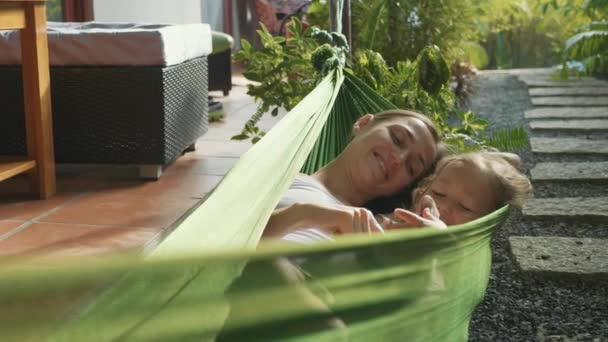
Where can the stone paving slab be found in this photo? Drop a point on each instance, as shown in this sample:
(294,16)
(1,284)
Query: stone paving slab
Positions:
(570,101)
(567,113)
(545,76)
(561,256)
(526,72)
(569,91)
(546,83)
(569,146)
(570,171)
(570,125)
(567,208)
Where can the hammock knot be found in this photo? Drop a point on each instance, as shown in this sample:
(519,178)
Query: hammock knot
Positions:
(331,53)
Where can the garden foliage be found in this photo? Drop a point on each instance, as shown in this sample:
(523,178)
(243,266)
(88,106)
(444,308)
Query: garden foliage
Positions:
(286,70)
(590,43)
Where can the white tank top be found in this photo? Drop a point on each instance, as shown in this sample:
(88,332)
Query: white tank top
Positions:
(306,189)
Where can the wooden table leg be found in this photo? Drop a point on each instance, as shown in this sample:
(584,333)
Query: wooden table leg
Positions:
(37,94)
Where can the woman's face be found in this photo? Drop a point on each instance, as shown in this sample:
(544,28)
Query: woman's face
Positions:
(387,156)
(461,191)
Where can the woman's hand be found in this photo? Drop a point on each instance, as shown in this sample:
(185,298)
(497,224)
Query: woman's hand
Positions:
(363,221)
(344,220)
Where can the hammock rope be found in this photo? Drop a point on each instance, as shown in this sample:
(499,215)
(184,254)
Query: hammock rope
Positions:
(418,285)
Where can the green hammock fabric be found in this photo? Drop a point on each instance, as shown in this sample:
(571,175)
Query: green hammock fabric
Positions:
(414,285)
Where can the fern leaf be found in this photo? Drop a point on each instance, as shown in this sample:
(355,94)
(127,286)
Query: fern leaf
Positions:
(509,140)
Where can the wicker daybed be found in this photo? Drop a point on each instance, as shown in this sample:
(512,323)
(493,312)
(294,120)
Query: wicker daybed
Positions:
(119,95)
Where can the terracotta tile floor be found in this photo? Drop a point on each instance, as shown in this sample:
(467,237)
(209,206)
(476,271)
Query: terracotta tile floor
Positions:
(103,208)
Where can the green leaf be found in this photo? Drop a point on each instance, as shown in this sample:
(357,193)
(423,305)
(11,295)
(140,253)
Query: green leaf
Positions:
(509,140)
(374,24)
(433,70)
(246,46)
(241,136)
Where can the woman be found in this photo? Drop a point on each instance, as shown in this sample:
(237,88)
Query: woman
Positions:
(389,151)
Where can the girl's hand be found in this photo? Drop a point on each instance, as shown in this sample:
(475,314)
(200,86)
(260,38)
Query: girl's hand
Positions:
(427,219)
(402,218)
(427,202)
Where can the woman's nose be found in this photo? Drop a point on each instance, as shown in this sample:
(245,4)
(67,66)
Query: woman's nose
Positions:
(395,161)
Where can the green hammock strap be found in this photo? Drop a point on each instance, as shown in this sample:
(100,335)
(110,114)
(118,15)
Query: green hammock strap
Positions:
(421,285)
(233,216)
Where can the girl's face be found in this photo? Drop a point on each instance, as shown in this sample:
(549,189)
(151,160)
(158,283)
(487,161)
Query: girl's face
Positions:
(461,191)
(387,156)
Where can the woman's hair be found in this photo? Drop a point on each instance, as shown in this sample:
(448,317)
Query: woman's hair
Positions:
(509,185)
(400,113)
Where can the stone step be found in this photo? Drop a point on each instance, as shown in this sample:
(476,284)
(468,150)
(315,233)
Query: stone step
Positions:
(569,146)
(570,171)
(567,113)
(573,208)
(549,256)
(544,82)
(569,91)
(524,72)
(570,125)
(570,101)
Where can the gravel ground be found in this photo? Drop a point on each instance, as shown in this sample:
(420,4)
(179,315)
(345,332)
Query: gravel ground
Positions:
(522,308)
(596,188)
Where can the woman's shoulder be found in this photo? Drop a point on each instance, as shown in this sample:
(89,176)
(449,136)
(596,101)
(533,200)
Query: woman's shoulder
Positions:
(306,189)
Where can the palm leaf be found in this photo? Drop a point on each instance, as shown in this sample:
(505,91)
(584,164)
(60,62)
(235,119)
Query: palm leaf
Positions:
(595,5)
(594,26)
(586,44)
(373,24)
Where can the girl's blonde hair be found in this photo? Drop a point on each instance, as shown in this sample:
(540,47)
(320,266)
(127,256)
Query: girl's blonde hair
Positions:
(509,185)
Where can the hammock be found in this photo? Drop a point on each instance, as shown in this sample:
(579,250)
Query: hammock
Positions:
(414,285)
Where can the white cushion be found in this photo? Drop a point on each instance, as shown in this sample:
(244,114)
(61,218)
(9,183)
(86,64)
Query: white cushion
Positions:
(95,43)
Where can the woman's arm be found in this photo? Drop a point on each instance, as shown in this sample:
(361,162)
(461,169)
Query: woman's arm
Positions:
(333,220)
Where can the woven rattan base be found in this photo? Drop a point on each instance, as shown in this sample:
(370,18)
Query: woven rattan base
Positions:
(113,114)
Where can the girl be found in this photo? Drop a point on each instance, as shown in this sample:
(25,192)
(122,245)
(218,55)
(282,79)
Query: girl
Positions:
(463,188)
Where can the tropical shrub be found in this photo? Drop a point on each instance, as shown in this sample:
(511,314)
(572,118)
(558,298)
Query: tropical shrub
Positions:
(283,70)
(400,29)
(590,44)
(523,33)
